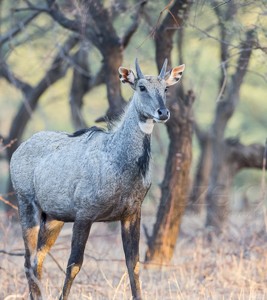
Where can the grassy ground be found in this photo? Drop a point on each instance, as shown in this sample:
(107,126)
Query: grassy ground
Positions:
(233,266)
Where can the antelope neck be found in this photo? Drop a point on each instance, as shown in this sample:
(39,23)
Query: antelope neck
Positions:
(146,126)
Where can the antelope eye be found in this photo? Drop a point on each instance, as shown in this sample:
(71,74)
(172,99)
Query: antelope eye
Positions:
(142,88)
(166,89)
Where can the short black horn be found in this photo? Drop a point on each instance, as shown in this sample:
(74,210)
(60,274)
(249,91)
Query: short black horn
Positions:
(138,70)
(163,70)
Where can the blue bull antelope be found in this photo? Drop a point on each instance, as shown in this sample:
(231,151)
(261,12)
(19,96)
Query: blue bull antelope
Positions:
(90,176)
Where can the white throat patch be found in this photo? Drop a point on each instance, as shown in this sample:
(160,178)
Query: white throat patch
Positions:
(146,127)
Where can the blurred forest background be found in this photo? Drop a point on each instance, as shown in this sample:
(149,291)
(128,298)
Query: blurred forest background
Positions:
(58,71)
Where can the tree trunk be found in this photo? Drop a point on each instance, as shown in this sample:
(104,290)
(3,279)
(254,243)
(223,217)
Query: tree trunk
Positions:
(112,62)
(201,179)
(203,172)
(174,187)
(217,200)
(236,157)
(110,45)
(80,85)
(95,22)
(218,196)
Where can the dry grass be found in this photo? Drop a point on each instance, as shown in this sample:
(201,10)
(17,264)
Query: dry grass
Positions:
(233,266)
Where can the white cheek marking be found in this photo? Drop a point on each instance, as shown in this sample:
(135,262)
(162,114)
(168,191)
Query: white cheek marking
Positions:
(146,127)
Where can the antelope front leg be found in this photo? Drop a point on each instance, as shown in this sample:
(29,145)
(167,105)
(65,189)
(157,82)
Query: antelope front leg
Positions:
(130,231)
(80,235)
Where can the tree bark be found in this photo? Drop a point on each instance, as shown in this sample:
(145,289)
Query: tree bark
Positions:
(174,190)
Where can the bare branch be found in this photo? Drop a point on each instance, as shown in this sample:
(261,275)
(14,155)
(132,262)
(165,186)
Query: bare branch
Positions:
(95,24)
(6,73)
(17,29)
(224,16)
(205,32)
(101,30)
(97,28)
(56,71)
(133,27)
(226,107)
(55,13)
(247,47)
(259,47)
(245,156)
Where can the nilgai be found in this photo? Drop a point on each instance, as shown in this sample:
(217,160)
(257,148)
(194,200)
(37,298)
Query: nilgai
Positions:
(90,176)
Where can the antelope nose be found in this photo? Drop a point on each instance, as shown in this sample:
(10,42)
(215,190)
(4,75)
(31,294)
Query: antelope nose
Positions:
(163,113)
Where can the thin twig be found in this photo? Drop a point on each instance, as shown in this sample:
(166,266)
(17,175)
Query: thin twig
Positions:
(167,7)
(155,28)
(57,263)
(212,37)
(22,254)
(224,82)
(118,286)
(8,203)
(12,253)
(123,261)
(218,5)
(2,148)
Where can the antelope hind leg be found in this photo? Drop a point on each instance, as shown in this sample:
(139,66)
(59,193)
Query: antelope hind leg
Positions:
(30,223)
(48,233)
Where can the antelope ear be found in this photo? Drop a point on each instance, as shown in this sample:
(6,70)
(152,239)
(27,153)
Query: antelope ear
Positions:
(175,76)
(127,76)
